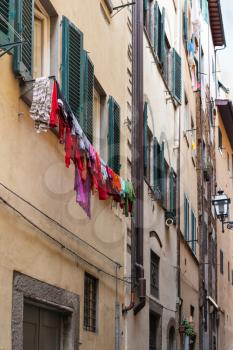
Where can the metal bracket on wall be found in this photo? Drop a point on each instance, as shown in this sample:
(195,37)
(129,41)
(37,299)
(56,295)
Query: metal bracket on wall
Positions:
(8,47)
(121,7)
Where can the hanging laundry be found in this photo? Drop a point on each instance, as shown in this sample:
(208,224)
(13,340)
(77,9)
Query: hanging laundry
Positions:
(83,192)
(53,122)
(41,104)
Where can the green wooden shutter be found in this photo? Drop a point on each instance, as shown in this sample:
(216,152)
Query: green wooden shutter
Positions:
(23,54)
(145,121)
(186,218)
(176,76)
(156,27)
(155,163)
(114,135)
(185,24)
(205,10)
(72,67)
(88,97)
(163,37)
(7,12)
(193,225)
(145,9)
(163,177)
(172,185)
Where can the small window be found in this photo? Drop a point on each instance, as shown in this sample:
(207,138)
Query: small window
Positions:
(220,139)
(221,262)
(167,58)
(186,119)
(228,270)
(149,169)
(228,162)
(192,310)
(154,274)
(232,277)
(90,303)
(194,232)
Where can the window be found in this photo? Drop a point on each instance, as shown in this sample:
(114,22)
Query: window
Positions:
(148,170)
(114,135)
(41,45)
(192,310)
(177,76)
(232,277)
(90,303)
(167,58)
(173,192)
(219,139)
(228,162)
(228,271)
(166,185)
(148,17)
(193,232)
(186,119)
(221,262)
(193,141)
(159,33)
(154,274)
(186,218)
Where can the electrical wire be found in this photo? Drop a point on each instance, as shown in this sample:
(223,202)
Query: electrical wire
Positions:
(61,244)
(74,236)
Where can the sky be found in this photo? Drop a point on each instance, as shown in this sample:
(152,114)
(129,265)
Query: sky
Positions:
(226,56)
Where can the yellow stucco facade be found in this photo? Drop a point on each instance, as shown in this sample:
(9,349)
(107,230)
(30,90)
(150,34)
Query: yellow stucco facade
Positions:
(33,167)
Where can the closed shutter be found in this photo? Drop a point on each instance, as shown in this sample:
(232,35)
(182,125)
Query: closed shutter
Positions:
(88,97)
(23,54)
(177,76)
(6,18)
(156,26)
(156,163)
(172,191)
(163,37)
(145,121)
(163,176)
(186,218)
(185,23)
(193,233)
(145,9)
(72,67)
(205,10)
(114,135)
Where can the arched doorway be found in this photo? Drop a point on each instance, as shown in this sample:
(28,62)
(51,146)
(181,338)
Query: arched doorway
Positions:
(172,339)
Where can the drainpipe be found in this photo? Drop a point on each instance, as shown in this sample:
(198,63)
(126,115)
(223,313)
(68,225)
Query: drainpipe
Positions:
(138,281)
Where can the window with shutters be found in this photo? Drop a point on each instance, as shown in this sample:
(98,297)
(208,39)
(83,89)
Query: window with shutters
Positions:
(6,19)
(154,274)
(23,54)
(167,63)
(220,145)
(186,218)
(88,98)
(149,153)
(186,120)
(41,42)
(193,232)
(221,262)
(177,78)
(90,303)
(159,33)
(73,67)
(173,188)
(114,135)
(148,17)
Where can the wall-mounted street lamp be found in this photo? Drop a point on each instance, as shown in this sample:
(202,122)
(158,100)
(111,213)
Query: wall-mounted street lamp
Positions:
(221,205)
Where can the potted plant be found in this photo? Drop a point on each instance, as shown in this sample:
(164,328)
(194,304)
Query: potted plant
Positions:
(187,329)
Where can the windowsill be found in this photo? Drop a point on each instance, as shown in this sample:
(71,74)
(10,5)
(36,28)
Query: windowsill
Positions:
(175,104)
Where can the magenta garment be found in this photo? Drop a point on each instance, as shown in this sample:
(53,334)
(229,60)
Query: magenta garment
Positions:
(83,192)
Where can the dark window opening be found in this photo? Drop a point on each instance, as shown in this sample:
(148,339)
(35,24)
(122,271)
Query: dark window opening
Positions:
(154,331)
(90,303)
(221,262)
(154,275)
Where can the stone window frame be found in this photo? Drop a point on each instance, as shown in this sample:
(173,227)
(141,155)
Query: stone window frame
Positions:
(27,288)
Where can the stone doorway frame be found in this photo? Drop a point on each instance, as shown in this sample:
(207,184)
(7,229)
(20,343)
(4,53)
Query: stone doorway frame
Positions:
(27,288)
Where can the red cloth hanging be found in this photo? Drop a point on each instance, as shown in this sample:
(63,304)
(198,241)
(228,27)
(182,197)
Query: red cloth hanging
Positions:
(53,121)
(68,146)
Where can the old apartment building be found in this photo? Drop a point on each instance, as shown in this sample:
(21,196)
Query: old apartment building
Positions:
(116,136)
